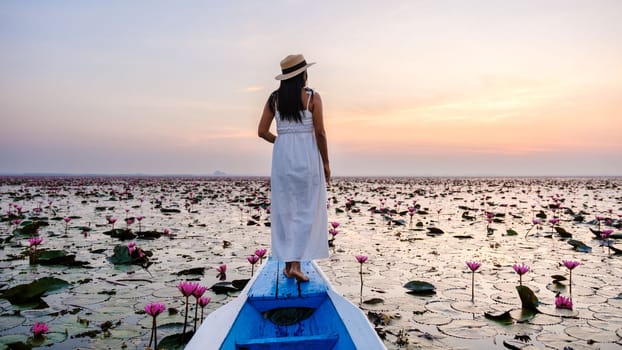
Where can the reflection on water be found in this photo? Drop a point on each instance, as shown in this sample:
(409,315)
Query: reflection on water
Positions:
(214,221)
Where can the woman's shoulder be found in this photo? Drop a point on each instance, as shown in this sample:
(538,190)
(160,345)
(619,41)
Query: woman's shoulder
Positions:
(314,93)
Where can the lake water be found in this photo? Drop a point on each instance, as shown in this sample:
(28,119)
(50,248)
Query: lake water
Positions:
(208,220)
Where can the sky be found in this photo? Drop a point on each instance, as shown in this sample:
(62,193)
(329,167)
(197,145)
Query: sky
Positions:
(410,88)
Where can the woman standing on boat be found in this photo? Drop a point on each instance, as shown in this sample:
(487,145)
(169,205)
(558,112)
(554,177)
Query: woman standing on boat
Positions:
(300,169)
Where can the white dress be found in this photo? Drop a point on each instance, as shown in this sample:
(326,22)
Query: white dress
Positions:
(299,219)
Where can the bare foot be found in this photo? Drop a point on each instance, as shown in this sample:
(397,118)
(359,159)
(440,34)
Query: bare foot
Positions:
(287,271)
(300,276)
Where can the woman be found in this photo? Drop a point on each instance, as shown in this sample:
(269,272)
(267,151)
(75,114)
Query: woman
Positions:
(300,169)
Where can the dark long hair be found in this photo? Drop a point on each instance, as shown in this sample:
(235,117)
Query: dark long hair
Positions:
(288,99)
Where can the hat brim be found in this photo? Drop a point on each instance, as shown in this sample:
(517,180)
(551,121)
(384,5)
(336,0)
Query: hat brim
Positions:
(294,73)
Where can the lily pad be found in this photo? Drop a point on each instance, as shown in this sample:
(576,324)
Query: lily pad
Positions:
(528,298)
(223,288)
(580,246)
(30,227)
(420,288)
(373,301)
(122,256)
(435,230)
(175,341)
(192,271)
(562,232)
(121,234)
(58,257)
(240,284)
(511,232)
(32,292)
(149,234)
(558,278)
(503,318)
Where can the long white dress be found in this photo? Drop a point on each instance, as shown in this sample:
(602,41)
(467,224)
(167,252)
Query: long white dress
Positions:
(299,219)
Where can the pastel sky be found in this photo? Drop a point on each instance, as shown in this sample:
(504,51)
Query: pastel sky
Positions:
(410,88)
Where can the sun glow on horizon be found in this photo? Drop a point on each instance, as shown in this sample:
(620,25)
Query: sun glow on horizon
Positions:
(461,87)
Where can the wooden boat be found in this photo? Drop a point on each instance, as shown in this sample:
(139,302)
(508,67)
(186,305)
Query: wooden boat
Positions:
(275,312)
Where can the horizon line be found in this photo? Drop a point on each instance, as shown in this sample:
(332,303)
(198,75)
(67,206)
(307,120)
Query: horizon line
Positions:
(219,174)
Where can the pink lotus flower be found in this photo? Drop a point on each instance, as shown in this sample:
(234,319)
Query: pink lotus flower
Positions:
(333,232)
(253,259)
(554,221)
(187,288)
(38,329)
(570,264)
(140,219)
(154,309)
(67,219)
(537,221)
(520,270)
(166,232)
(361,258)
(606,233)
(35,241)
(203,301)
(222,272)
(131,247)
(473,265)
(562,302)
(261,252)
(334,224)
(199,291)
(129,221)
(111,221)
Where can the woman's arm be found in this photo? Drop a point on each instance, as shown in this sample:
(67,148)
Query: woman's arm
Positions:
(264,124)
(320,133)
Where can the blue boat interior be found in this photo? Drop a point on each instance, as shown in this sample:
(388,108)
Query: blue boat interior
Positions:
(281,313)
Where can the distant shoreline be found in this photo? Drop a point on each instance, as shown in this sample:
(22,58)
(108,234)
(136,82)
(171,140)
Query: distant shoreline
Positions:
(238,176)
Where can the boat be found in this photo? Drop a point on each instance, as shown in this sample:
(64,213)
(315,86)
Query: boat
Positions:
(276,312)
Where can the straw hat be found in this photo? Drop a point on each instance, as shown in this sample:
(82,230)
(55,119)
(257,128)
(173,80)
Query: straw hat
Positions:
(291,66)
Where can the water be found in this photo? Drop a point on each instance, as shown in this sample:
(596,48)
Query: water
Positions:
(215,230)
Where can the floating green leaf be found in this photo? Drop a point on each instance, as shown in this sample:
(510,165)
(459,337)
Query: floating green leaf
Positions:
(175,341)
(29,293)
(562,232)
(528,298)
(435,230)
(503,318)
(557,278)
(511,232)
(223,288)
(580,246)
(58,257)
(192,271)
(420,288)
